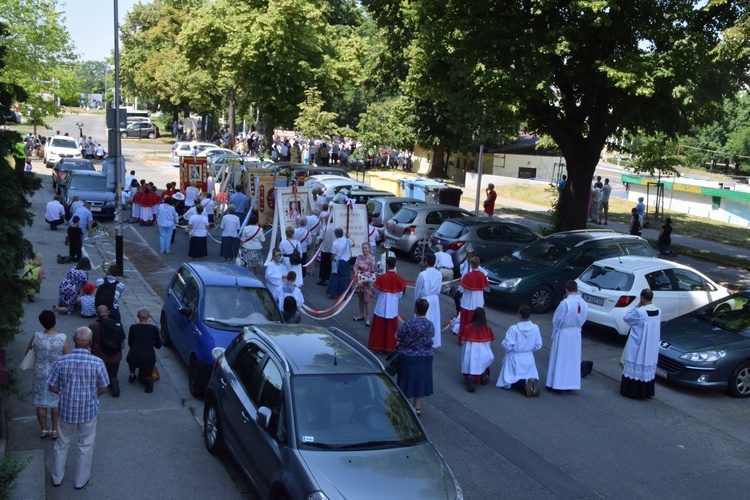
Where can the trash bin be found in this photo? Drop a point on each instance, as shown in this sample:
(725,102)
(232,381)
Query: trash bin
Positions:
(450,196)
(423,186)
(407,187)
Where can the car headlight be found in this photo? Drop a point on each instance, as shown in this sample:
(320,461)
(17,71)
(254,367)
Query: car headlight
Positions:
(110,203)
(509,283)
(703,356)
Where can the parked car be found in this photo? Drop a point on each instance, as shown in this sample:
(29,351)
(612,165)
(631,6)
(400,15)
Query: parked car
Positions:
(90,186)
(62,169)
(185,148)
(363,196)
(709,348)
(381,209)
(488,237)
(60,146)
(140,130)
(612,288)
(333,184)
(308,413)
(311,170)
(410,229)
(536,273)
(12,117)
(205,306)
(216,152)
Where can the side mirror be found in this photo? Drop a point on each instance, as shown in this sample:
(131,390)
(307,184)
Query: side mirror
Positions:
(264,417)
(216,352)
(186,311)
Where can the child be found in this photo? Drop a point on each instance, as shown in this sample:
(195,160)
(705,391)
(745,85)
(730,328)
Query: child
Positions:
(476,354)
(75,239)
(87,301)
(32,276)
(289,289)
(519,367)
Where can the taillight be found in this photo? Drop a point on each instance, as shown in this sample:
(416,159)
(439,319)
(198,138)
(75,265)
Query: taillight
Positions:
(625,300)
(455,245)
(410,230)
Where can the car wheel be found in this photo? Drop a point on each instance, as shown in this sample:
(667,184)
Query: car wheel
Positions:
(124,135)
(194,378)
(417,252)
(739,382)
(541,299)
(212,434)
(164,332)
(151,135)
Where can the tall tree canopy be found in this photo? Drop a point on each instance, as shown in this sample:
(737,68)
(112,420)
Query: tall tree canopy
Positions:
(578,71)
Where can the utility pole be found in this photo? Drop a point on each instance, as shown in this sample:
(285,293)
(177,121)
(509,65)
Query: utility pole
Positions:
(119,163)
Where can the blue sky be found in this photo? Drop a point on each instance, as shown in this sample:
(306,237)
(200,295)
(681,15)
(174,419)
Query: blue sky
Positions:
(91,25)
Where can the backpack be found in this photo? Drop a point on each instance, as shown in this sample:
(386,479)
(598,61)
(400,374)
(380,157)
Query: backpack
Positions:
(112,336)
(295,257)
(105,294)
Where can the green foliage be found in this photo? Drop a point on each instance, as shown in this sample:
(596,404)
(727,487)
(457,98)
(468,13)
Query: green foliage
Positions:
(312,120)
(93,74)
(39,49)
(654,154)
(10,468)
(386,124)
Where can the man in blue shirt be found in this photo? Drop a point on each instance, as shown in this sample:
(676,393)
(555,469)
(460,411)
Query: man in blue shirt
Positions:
(78,378)
(240,201)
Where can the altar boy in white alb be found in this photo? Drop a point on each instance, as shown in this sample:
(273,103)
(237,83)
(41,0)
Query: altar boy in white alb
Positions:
(428,287)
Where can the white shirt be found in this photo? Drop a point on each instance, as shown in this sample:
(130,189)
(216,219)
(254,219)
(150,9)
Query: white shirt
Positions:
(166,215)
(302,235)
(191,192)
(230,225)
(54,211)
(341,248)
(255,235)
(313,224)
(199,225)
(208,206)
(128,181)
(442,259)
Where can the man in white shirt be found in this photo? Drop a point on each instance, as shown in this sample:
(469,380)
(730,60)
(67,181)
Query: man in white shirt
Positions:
(427,287)
(191,193)
(209,207)
(129,180)
(443,263)
(55,213)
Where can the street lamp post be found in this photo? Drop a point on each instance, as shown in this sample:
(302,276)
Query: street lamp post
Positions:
(119,163)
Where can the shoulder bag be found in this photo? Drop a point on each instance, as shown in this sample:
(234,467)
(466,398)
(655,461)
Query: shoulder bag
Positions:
(29,361)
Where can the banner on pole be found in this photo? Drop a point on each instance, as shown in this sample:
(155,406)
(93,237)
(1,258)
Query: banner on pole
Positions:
(352,219)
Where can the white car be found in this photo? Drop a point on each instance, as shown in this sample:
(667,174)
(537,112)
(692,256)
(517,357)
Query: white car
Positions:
(612,287)
(332,184)
(185,148)
(60,146)
(215,151)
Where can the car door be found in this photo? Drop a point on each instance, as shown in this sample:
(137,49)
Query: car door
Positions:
(694,291)
(432,221)
(188,334)
(236,387)
(491,240)
(262,446)
(173,300)
(666,294)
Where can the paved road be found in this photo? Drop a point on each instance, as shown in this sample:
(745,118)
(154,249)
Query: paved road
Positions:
(591,443)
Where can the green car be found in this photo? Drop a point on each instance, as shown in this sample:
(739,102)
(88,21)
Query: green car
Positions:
(535,274)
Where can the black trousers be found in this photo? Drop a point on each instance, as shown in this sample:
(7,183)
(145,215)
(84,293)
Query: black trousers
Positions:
(144,370)
(112,368)
(325,266)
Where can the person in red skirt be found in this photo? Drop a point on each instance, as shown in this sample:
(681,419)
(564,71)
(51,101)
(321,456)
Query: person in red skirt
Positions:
(385,318)
(472,285)
(476,353)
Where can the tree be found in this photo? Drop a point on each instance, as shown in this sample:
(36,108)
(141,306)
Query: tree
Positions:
(38,47)
(15,188)
(386,123)
(579,72)
(312,120)
(93,75)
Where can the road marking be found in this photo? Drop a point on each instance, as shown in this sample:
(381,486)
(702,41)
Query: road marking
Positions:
(143,240)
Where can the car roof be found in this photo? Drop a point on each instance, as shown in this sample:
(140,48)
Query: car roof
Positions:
(476,220)
(639,263)
(221,274)
(90,173)
(403,199)
(76,161)
(427,207)
(372,192)
(575,238)
(313,350)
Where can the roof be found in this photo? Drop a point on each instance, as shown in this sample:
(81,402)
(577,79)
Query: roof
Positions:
(404,199)
(429,207)
(524,145)
(638,263)
(475,220)
(219,273)
(316,350)
(90,173)
(573,238)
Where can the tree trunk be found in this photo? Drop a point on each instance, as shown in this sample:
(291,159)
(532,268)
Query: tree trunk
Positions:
(574,199)
(231,110)
(438,162)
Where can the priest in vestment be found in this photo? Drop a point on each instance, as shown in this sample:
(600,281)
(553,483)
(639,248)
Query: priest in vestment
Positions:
(385,318)
(428,285)
(472,286)
(564,372)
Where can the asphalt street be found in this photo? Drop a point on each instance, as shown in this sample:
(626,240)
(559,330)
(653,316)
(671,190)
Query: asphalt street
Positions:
(500,444)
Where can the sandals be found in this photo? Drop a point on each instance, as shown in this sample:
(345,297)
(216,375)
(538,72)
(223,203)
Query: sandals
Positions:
(44,433)
(419,411)
(367,324)
(361,318)
(53,433)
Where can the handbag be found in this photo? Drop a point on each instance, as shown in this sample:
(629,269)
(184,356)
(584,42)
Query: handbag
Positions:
(29,361)
(155,374)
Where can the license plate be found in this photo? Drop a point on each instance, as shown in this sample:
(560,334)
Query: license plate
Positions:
(660,372)
(598,301)
(392,241)
(96,209)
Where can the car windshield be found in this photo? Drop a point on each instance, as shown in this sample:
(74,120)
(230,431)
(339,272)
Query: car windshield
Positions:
(405,216)
(732,313)
(360,411)
(605,278)
(449,230)
(88,183)
(544,252)
(77,165)
(64,143)
(238,306)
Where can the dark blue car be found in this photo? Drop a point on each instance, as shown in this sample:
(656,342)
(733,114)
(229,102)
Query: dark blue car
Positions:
(205,306)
